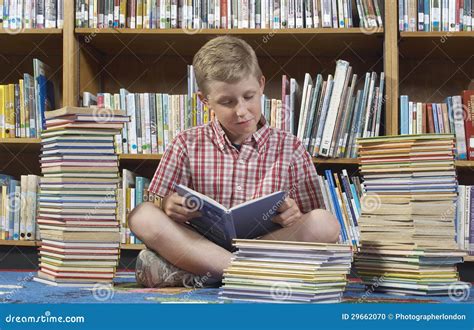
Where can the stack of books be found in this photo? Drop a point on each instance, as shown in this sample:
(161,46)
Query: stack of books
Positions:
(286,272)
(77,205)
(407,223)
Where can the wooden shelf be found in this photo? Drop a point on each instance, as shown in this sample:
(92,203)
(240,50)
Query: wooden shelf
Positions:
(132,246)
(139,157)
(342,161)
(436,45)
(266,42)
(439,34)
(16,145)
(464,164)
(31,31)
(37,243)
(18,243)
(37,42)
(20,141)
(356,30)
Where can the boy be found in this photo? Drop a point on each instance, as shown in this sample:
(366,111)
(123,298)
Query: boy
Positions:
(235,158)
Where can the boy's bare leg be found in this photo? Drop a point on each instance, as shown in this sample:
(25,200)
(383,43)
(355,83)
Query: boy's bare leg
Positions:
(178,244)
(315,226)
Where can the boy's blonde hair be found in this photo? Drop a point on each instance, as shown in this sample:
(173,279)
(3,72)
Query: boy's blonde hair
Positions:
(226,59)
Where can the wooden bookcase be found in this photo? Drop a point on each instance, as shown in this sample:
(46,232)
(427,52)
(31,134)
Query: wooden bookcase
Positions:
(422,65)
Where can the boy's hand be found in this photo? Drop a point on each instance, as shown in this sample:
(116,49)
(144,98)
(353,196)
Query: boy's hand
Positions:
(289,213)
(174,207)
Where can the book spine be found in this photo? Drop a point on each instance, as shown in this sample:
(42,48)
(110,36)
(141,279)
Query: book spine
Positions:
(17,208)
(459,128)
(471,222)
(340,114)
(132,132)
(17,110)
(10,117)
(467,211)
(2,111)
(339,80)
(468,106)
(328,175)
(419,119)
(322,120)
(166,121)
(3,211)
(421,15)
(347,213)
(159,123)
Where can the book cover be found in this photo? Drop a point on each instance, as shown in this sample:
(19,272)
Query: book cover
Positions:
(221,225)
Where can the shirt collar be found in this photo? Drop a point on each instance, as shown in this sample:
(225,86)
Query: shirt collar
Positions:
(260,137)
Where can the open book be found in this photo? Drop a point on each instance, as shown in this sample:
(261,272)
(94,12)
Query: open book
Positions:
(221,225)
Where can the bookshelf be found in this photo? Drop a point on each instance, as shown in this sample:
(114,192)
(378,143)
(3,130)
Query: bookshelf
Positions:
(143,60)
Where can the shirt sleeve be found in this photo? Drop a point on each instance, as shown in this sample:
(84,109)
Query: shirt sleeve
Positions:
(173,169)
(304,184)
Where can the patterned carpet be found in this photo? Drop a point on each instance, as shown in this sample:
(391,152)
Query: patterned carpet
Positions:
(19,287)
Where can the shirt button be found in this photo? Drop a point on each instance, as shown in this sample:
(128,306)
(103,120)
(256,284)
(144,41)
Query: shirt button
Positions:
(239,188)
(241,161)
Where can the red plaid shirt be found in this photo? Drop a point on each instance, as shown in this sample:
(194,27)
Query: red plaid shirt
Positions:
(204,159)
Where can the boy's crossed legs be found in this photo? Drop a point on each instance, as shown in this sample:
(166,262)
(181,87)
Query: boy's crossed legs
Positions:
(190,251)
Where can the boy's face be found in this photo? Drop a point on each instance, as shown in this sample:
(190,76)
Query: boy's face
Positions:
(237,106)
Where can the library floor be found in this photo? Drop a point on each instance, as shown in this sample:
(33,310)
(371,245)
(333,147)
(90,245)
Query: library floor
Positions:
(19,287)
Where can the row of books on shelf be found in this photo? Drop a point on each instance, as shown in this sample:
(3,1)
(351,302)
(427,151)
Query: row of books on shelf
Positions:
(227,14)
(465,218)
(23,104)
(341,196)
(132,192)
(18,204)
(334,113)
(327,115)
(155,118)
(31,14)
(435,15)
(453,116)
(19,200)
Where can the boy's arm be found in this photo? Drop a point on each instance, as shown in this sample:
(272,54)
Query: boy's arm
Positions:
(304,186)
(173,169)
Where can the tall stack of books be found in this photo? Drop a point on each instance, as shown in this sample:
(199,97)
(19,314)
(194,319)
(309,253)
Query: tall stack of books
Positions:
(407,221)
(77,205)
(287,272)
